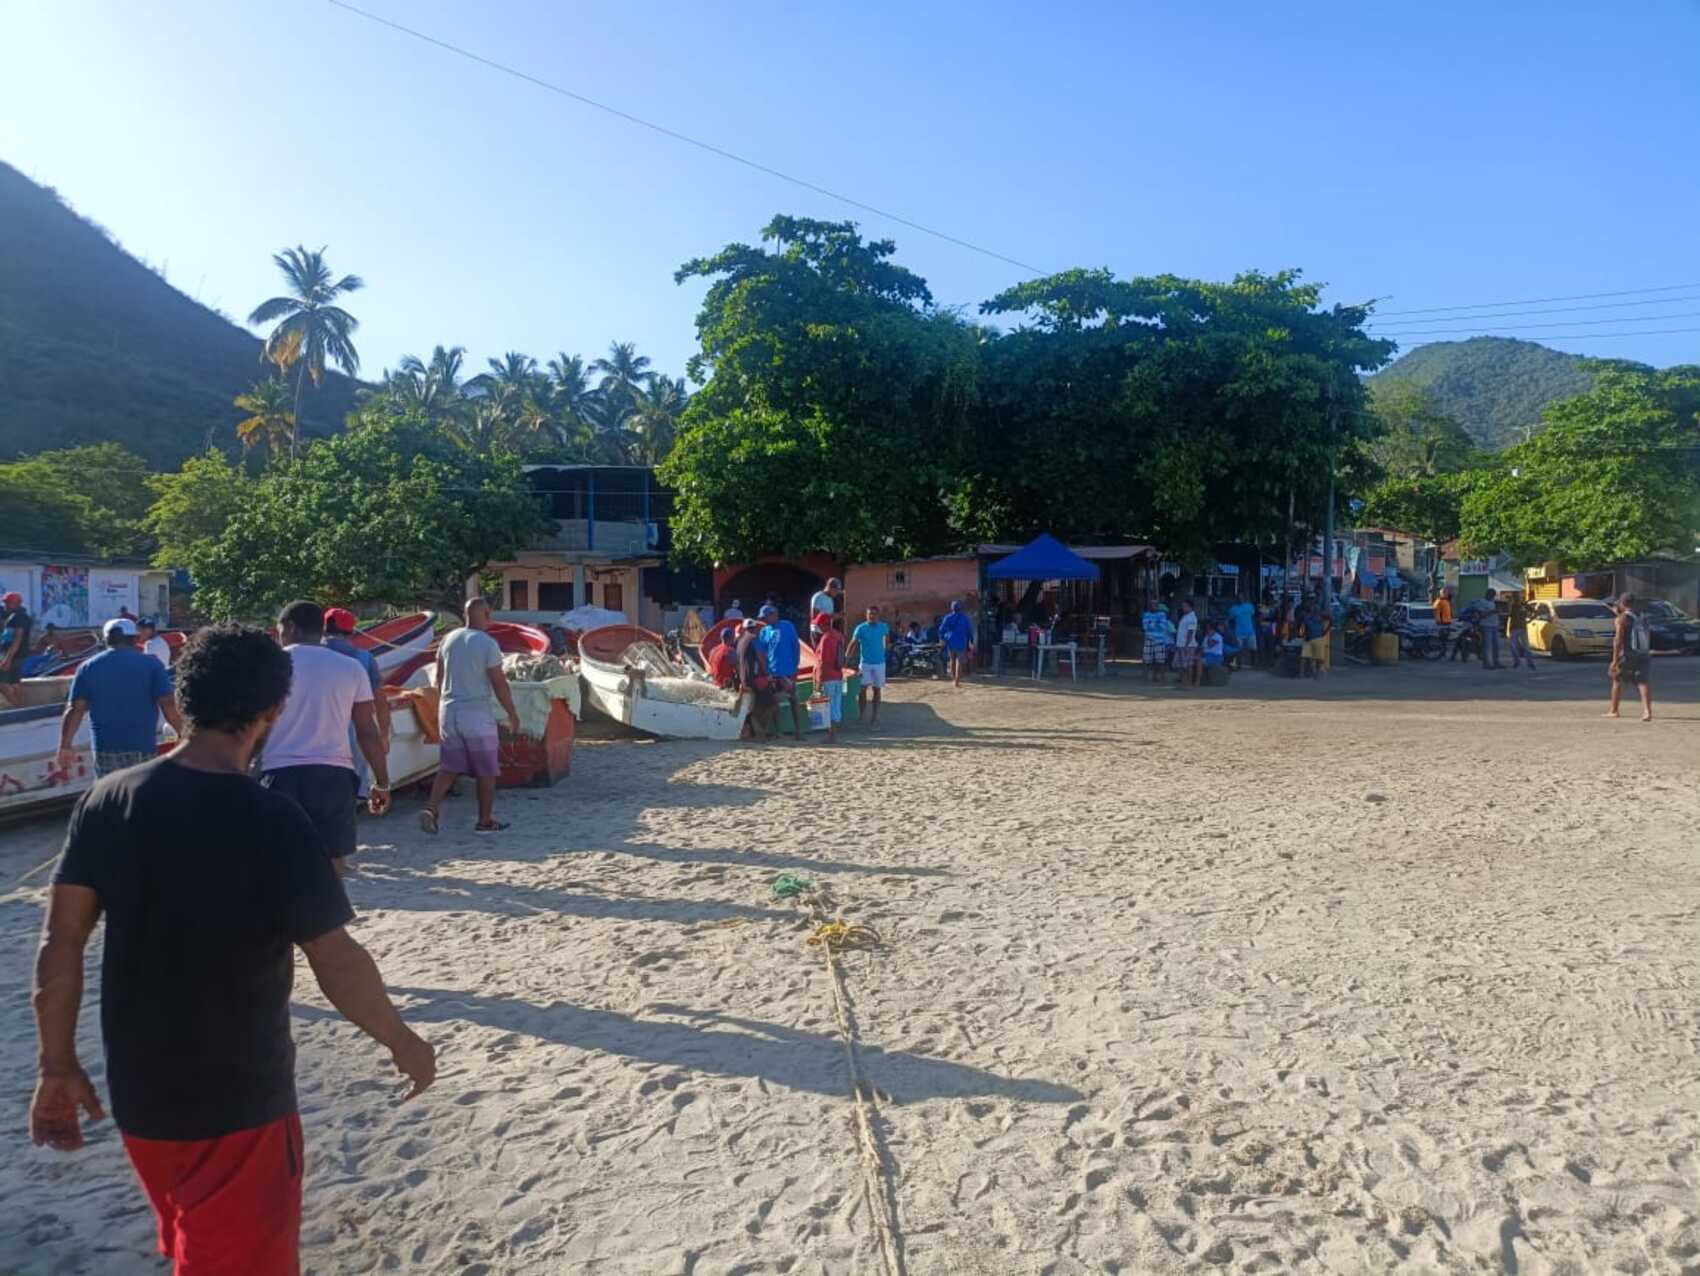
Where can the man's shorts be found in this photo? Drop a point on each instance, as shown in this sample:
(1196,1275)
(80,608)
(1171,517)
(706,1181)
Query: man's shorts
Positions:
(471,745)
(873,675)
(326,793)
(1635,668)
(1186,657)
(1156,651)
(229,1206)
(834,693)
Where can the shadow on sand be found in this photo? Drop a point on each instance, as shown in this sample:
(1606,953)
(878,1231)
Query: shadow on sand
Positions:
(720,1044)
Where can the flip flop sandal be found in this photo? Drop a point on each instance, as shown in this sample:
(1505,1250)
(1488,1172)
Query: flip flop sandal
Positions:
(494,826)
(428,820)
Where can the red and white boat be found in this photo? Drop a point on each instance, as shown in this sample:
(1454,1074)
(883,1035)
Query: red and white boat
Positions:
(628,676)
(395,642)
(524,640)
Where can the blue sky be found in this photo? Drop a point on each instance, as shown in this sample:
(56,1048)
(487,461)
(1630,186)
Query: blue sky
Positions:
(1440,154)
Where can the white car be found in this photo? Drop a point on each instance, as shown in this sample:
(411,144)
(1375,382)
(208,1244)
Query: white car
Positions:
(1416,618)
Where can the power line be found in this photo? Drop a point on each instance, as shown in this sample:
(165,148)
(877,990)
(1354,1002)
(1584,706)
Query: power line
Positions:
(1438,338)
(1532,327)
(682,137)
(1526,301)
(1554,310)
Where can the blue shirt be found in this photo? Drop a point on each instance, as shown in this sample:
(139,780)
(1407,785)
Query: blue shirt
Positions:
(370,665)
(122,687)
(869,638)
(1243,617)
(957,631)
(783,649)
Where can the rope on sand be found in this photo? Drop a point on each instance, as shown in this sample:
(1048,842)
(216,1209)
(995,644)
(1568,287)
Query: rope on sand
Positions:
(831,935)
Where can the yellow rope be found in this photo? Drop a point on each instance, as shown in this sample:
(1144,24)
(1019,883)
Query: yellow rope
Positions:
(838,934)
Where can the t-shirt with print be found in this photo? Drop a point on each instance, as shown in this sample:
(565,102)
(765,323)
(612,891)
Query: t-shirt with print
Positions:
(1186,635)
(784,648)
(200,917)
(312,730)
(870,638)
(468,655)
(122,688)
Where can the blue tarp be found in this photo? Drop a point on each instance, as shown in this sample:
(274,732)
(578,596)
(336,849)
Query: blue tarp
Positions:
(1045,558)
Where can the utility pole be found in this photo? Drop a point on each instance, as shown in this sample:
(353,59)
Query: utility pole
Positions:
(1328,519)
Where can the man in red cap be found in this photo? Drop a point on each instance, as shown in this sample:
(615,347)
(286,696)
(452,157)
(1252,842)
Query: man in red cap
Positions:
(340,625)
(15,625)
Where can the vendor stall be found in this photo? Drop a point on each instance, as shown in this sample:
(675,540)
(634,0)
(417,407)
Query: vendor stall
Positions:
(1043,560)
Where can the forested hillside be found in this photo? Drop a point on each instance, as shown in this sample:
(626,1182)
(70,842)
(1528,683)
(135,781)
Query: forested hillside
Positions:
(1493,386)
(95,347)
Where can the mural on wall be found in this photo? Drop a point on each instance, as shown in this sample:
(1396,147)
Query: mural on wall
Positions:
(65,597)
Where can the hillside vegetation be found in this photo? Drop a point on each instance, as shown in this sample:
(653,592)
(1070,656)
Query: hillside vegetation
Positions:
(1493,386)
(95,347)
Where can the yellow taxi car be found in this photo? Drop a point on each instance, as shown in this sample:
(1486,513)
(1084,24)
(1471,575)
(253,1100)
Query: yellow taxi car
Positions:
(1571,627)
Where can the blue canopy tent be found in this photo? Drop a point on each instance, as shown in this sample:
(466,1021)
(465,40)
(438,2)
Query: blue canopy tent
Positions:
(1043,558)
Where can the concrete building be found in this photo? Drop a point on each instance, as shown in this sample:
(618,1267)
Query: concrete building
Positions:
(75,592)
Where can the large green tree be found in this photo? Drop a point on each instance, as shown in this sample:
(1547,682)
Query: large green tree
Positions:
(76,500)
(1168,409)
(1419,439)
(192,507)
(1614,475)
(835,402)
(395,510)
(1429,505)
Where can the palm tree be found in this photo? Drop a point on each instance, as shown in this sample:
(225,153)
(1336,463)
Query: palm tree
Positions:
(269,419)
(325,329)
(433,388)
(654,416)
(622,371)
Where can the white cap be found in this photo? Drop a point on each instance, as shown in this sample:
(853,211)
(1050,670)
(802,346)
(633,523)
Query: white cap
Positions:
(118,625)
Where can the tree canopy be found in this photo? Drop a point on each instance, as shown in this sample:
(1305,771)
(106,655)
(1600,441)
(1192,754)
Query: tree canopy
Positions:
(1614,475)
(395,511)
(81,500)
(843,411)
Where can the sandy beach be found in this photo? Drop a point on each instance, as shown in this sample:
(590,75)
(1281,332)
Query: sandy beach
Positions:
(1394,973)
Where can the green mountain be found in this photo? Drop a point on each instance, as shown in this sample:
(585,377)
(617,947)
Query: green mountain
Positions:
(95,347)
(1494,386)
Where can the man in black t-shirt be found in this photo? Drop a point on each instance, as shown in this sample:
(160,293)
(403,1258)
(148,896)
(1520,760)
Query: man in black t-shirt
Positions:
(207,880)
(15,624)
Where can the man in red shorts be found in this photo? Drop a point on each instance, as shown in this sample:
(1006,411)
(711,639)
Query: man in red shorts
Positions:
(207,880)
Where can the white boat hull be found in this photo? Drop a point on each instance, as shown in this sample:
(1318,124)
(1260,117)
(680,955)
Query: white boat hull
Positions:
(613,694)
(30,775)
(412,757)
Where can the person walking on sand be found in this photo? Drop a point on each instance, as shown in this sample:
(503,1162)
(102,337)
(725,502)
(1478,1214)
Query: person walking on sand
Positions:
(207,881)
(340,624)
(829,673)
(956,631)
(1187,646)
(307,755)
(123,693)
(1517,625)
(471,683)
(868,645)
(1631,657)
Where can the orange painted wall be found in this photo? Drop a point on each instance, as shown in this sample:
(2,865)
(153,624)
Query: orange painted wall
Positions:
(917,590)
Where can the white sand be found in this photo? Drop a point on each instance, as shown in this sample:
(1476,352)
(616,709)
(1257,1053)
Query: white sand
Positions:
(1167,989)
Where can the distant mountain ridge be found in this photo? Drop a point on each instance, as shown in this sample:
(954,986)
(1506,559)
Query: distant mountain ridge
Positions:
(96,347)
(1493,386)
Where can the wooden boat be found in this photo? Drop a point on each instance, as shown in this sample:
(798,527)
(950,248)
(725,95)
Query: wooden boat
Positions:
(726,631)
(31,778)
(628,676)
(73,646)
(513,639)
(395,642)
(415,752)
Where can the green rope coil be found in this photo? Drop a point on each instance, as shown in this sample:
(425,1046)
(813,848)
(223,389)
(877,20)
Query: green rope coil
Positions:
(790,886)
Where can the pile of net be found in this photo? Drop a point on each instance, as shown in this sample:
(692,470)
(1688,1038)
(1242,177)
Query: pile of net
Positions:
(527,667)
(688,691)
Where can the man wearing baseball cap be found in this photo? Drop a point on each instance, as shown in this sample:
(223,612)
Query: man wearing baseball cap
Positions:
(15,624)
(340,625)
(123,692)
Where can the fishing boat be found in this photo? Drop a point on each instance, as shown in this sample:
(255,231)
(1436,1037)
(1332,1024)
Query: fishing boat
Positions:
(31,778)
(628,676)
(512,639)
(395,642)
(70,648)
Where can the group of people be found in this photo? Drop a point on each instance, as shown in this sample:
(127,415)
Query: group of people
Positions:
(208,877)
(762,656)
(1245,637)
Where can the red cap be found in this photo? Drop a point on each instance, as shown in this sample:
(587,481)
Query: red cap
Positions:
(13,598)
(340,620)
